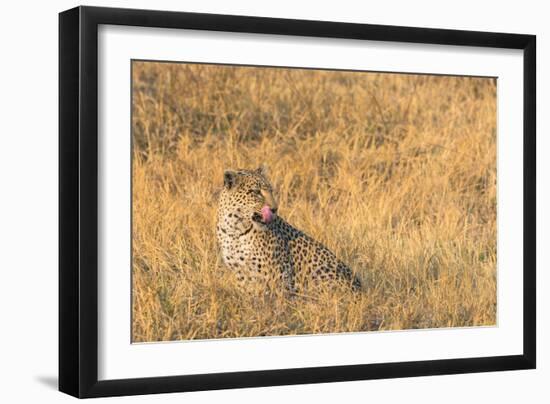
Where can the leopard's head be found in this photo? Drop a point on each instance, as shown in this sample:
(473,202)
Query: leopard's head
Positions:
(247,197)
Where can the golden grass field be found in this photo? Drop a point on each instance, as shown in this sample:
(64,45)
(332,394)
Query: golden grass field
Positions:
(394,173)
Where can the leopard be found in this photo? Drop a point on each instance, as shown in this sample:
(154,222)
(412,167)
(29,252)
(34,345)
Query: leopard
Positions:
(260,247)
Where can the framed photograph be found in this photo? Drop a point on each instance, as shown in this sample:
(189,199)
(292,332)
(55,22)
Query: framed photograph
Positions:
(251,201)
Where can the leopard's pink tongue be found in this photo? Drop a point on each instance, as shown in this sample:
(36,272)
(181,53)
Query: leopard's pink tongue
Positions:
(267,214)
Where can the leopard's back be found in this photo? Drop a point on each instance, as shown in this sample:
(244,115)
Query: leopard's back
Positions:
(312,261)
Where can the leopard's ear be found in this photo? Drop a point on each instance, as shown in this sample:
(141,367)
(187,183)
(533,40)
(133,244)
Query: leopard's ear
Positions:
(229,179)
(262,170)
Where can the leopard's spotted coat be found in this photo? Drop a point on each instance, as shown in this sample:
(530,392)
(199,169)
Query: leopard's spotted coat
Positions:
(260,251)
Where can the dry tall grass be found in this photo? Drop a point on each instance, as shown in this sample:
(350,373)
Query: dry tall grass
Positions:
(395,173)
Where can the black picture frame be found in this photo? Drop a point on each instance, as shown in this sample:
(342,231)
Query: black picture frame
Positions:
(78,201)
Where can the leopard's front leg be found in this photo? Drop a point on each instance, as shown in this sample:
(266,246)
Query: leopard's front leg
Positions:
(283,257)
